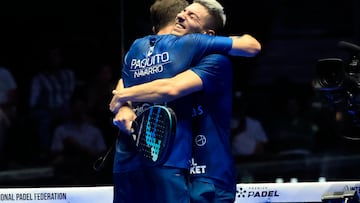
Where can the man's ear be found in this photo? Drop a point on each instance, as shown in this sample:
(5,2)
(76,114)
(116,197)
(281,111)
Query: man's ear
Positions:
(210,32)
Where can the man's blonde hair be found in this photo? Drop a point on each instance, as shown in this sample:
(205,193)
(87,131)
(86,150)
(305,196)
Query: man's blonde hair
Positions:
(216,10)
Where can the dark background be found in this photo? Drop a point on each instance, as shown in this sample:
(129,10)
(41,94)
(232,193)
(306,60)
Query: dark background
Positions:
(294,35)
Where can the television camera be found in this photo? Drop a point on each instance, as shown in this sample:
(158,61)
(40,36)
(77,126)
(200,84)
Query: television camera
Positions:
(339,82)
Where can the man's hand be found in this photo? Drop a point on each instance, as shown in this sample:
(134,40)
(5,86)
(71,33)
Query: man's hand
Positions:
(124,118)
(115,105)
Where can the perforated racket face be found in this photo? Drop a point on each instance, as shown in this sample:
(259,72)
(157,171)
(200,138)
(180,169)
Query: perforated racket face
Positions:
(155,128)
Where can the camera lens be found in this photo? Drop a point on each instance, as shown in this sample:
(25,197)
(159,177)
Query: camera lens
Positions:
(330,72)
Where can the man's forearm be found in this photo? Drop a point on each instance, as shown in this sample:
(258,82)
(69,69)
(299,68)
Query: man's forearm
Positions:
(162,90)
(245,45)
(155,91)
(115,104)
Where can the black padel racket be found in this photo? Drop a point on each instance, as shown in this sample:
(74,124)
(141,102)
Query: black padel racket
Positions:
(154,130)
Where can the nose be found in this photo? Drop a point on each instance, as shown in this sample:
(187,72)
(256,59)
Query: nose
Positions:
(180,18)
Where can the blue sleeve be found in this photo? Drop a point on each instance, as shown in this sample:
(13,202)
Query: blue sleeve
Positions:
(210,44)
(214,71)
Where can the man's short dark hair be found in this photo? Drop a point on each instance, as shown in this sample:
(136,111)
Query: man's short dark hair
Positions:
(163,12)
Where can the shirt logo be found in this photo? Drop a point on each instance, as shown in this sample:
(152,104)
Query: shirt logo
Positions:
(200,140)
(197,169)
(150,65)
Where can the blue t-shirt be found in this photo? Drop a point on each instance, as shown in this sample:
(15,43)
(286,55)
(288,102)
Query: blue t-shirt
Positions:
(212,159)
(163,56)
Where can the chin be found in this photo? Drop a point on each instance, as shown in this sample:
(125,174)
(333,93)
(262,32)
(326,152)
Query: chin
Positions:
(178,32)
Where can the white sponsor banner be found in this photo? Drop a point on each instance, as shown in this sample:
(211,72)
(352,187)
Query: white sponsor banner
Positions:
(103,194)
(246,193)
(291,192)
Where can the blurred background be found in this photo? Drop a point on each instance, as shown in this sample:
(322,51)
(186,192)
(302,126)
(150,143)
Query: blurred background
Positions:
(300,93)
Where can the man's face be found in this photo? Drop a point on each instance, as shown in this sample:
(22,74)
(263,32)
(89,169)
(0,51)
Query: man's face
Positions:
(192,19)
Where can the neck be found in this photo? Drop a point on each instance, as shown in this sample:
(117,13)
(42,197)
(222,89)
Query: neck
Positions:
(166,30)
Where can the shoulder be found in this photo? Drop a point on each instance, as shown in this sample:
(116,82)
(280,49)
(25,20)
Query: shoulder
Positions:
(141,43)
(138,41)
(147,38)
(222,59)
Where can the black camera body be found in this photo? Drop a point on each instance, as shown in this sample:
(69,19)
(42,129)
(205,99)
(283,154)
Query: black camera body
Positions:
(339,82)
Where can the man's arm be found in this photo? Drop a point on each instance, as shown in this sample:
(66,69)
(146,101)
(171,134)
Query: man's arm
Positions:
(244,45)
(115,104)
(185,83)
(123,119)
(124,115)
(162,90)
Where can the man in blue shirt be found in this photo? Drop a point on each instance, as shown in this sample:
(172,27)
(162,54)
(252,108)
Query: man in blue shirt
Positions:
(130,182)
(176,55)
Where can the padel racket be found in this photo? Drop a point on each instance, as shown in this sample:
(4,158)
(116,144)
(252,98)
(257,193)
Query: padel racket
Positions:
(154,130)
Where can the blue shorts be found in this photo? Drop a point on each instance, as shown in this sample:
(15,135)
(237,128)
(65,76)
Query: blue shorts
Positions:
(130,187)
(203,192)
(169,185)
